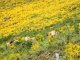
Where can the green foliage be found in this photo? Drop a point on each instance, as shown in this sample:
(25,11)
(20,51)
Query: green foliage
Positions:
(1,49)
(76,28)
(4,39)
(27,44)
(57,45)
(51,38)
(39,37)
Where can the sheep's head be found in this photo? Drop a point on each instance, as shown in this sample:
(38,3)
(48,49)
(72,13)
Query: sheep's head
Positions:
(27,38)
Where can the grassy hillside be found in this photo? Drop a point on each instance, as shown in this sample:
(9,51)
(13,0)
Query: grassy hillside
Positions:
(35,18)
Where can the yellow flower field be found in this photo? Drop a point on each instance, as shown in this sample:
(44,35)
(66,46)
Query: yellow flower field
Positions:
(35,15)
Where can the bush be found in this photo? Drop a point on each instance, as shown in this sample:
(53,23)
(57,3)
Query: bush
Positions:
(72,51)
(39,37)
(27,44)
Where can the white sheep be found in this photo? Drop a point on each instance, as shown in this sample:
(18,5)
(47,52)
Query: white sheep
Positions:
(33,38)
(29,38)
(52,33)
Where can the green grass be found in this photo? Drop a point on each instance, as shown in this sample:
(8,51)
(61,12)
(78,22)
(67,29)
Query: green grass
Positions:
(47,50)
(57,46)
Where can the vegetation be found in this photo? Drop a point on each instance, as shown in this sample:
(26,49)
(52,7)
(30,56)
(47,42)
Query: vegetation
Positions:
(35,18)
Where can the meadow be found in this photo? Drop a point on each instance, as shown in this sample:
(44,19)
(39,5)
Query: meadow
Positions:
(35,18)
